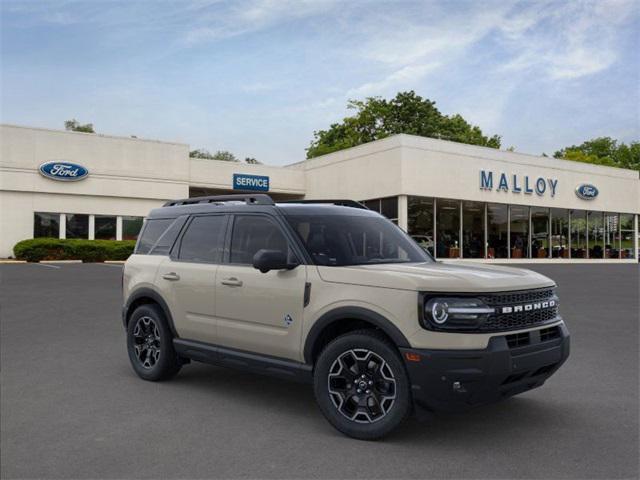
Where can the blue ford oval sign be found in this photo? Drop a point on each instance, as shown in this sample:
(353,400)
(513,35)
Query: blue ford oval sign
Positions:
(586,191)
(63,171)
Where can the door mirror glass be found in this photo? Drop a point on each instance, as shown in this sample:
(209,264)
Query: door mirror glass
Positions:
(265,260)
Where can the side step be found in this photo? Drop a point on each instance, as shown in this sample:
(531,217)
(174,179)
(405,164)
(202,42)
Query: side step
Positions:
(227,357)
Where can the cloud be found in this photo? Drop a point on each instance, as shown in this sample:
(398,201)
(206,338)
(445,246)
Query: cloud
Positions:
(565,41)
(250,16)
(400,79)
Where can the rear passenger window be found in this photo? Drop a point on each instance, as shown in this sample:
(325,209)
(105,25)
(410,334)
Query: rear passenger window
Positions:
(151,232)
(204,239)
(252,233)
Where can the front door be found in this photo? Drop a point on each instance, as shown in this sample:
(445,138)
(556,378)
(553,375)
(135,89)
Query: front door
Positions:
(259,312)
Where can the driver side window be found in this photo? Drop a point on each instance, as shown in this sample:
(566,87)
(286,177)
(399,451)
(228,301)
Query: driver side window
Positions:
(252,233)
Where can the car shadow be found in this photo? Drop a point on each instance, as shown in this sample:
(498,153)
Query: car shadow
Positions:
(296,401)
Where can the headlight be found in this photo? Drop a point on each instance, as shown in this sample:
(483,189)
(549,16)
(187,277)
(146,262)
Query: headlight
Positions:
(455,313)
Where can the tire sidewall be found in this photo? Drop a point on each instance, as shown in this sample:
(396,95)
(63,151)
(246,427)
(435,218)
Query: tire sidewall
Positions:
(402,405)
(167,362)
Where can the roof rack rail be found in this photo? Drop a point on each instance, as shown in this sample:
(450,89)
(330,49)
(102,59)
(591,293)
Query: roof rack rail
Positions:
(342,203)
(258,199)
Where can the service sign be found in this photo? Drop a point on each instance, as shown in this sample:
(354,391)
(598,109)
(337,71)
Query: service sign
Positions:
(586,191)
(63,171)
(255,183)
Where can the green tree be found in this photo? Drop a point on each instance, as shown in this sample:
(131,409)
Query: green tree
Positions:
(377,118)
(201,153)
(74,126)
(604,151)
(219,155)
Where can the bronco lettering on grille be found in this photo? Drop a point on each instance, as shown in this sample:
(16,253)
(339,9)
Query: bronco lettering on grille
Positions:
(527,307)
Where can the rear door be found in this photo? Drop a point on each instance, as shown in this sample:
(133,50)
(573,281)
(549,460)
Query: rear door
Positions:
(259,312)
(188,277)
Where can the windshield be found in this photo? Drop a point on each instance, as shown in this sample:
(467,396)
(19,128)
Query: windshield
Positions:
(342,240)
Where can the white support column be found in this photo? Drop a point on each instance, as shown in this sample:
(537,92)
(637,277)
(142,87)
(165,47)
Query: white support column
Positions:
(635,237)
(460,230)
(509,230)
(403,212)
(118,228)
(486,233)
(435,232)
(92,227)
(63,225)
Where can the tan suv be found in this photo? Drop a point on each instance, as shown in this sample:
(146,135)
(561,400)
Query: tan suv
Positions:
(337,295)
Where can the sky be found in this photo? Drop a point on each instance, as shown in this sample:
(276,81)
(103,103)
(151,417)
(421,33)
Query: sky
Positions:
(258,77)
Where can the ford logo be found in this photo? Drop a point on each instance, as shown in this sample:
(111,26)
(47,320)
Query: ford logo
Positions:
(63,171)
(586,191)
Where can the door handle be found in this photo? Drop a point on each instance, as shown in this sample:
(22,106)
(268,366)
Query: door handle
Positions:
(173,276)
(231,282)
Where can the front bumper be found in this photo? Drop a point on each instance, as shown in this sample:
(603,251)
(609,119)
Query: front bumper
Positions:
(451,380)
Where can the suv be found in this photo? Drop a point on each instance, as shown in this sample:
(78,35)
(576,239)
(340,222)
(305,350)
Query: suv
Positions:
(336,295)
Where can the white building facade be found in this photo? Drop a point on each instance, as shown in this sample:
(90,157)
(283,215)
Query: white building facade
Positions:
(462,202)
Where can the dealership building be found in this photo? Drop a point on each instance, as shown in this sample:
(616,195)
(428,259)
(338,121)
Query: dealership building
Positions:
(462,202)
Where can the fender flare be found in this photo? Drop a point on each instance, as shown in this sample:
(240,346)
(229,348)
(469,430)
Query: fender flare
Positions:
(145,292)
(352,313)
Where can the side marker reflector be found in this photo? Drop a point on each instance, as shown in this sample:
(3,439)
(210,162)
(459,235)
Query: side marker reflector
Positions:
(412,357)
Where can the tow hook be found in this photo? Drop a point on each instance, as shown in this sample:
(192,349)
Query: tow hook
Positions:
(459,388)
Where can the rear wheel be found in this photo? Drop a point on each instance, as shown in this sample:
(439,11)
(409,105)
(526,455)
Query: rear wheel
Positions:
(361,385)
(150,344)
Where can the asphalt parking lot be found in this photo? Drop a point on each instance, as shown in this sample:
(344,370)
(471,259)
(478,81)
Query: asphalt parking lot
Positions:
(71,407)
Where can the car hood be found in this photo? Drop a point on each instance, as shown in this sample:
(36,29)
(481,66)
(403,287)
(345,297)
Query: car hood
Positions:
(437,277)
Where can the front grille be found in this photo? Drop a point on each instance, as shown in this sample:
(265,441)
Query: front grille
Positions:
(518,340)
(514,298)
(516,320)
(550,333)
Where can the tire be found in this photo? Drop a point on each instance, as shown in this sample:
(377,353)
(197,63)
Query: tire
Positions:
(364,407)
(150,344)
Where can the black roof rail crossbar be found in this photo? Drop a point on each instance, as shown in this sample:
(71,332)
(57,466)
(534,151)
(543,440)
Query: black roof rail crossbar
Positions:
(342,203)
(257,199)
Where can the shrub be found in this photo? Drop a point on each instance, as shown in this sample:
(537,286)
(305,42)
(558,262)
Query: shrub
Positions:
(37,249)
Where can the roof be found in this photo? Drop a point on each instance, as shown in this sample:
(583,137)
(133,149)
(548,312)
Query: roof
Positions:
(259,203)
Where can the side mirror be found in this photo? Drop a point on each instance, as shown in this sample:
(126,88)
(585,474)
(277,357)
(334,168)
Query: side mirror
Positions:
(265,260)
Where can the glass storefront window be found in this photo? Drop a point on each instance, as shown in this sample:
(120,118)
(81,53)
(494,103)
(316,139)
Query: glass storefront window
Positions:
(497,230)
(578,234)
(472,230)
(386,206)
(559,233)
(519,231)
(131,227)
(448,228)
(626,236)
(389,208)
(46,225)
(420,221)
(596,234)
(77,226)
(539,232)
(105,227)
(611,236)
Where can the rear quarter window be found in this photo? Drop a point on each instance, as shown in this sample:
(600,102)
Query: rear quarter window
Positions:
(158,235)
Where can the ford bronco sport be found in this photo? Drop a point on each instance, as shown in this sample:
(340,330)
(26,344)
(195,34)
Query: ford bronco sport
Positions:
(336,295)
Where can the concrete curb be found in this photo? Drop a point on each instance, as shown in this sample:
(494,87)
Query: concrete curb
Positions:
(114,262)
(60,261)
(9,261)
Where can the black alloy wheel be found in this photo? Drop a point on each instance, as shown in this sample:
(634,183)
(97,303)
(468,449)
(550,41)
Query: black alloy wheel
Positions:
(361,385)
(150,344)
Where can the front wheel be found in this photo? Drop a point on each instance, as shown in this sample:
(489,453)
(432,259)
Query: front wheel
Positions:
(150,344)
(362,386)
